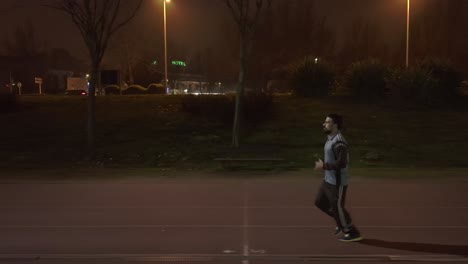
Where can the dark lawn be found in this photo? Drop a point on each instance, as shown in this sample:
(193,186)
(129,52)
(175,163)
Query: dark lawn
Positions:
(153,131)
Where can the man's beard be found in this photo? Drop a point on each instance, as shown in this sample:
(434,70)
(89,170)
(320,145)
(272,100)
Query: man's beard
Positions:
(326,132)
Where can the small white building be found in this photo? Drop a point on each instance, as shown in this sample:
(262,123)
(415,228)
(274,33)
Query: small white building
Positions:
(77,83)
(193,84)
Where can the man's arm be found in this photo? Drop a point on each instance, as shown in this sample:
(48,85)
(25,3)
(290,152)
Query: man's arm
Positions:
(341,151)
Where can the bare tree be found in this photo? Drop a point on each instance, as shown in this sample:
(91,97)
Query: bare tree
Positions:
(290,31)
(362,41)
(24,42)
(97,21)
(129,60)
(246,14)
(128,52)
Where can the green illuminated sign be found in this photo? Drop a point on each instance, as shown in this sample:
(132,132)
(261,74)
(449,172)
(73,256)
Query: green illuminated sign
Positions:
(179,63)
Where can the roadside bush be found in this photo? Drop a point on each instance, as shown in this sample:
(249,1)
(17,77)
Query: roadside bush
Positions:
(448,79)
(430,83)
(310,78)
(464,88)
(156,88)
(411,85)
(365,80)
(220,108)
(112,89)
(135,89)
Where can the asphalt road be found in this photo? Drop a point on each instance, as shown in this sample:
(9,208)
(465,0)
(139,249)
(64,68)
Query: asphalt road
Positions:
(254,221)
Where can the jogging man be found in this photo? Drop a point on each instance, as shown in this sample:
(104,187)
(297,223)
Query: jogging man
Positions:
(332,193)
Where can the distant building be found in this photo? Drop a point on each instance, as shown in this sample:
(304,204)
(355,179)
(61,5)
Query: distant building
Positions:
(188,84)
(184,83)
(77,83)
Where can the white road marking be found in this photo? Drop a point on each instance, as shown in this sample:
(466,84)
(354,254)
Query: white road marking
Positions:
(245,227)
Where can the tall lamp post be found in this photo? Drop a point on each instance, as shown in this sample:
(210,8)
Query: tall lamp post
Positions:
(165,45)
(407,31)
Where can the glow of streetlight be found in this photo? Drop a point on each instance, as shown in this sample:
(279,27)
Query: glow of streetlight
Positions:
(407,31)
(165,46)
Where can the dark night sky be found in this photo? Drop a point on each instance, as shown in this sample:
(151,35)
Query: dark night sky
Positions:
(192,24)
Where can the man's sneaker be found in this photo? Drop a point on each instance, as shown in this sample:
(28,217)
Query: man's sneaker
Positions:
(350,238)
(337,231)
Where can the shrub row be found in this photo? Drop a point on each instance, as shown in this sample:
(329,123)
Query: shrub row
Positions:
(135,89)
(430,82)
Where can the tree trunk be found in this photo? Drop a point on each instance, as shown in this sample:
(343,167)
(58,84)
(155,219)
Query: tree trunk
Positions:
(130,74)
(91,128)
(129,62)
(239,92)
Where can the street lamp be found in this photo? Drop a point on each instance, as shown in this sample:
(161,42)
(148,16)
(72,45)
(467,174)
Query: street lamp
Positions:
(165,45)
(407,31)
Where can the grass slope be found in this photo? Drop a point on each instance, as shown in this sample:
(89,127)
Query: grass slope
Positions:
(153,131)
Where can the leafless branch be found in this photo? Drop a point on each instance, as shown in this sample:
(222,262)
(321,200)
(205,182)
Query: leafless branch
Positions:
(234,13)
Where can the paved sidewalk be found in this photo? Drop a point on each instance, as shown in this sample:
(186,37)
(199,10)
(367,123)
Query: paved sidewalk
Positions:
(256,221)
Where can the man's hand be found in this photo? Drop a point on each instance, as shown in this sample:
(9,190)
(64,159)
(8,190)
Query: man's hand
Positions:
(319,165)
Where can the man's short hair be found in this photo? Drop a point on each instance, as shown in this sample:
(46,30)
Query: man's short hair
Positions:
(337,119)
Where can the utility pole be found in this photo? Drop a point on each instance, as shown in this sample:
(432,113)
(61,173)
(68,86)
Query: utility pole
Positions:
(407,31)
(11,83)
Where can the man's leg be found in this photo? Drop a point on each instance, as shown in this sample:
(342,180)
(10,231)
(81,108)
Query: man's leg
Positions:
(342,216)
(323,202)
